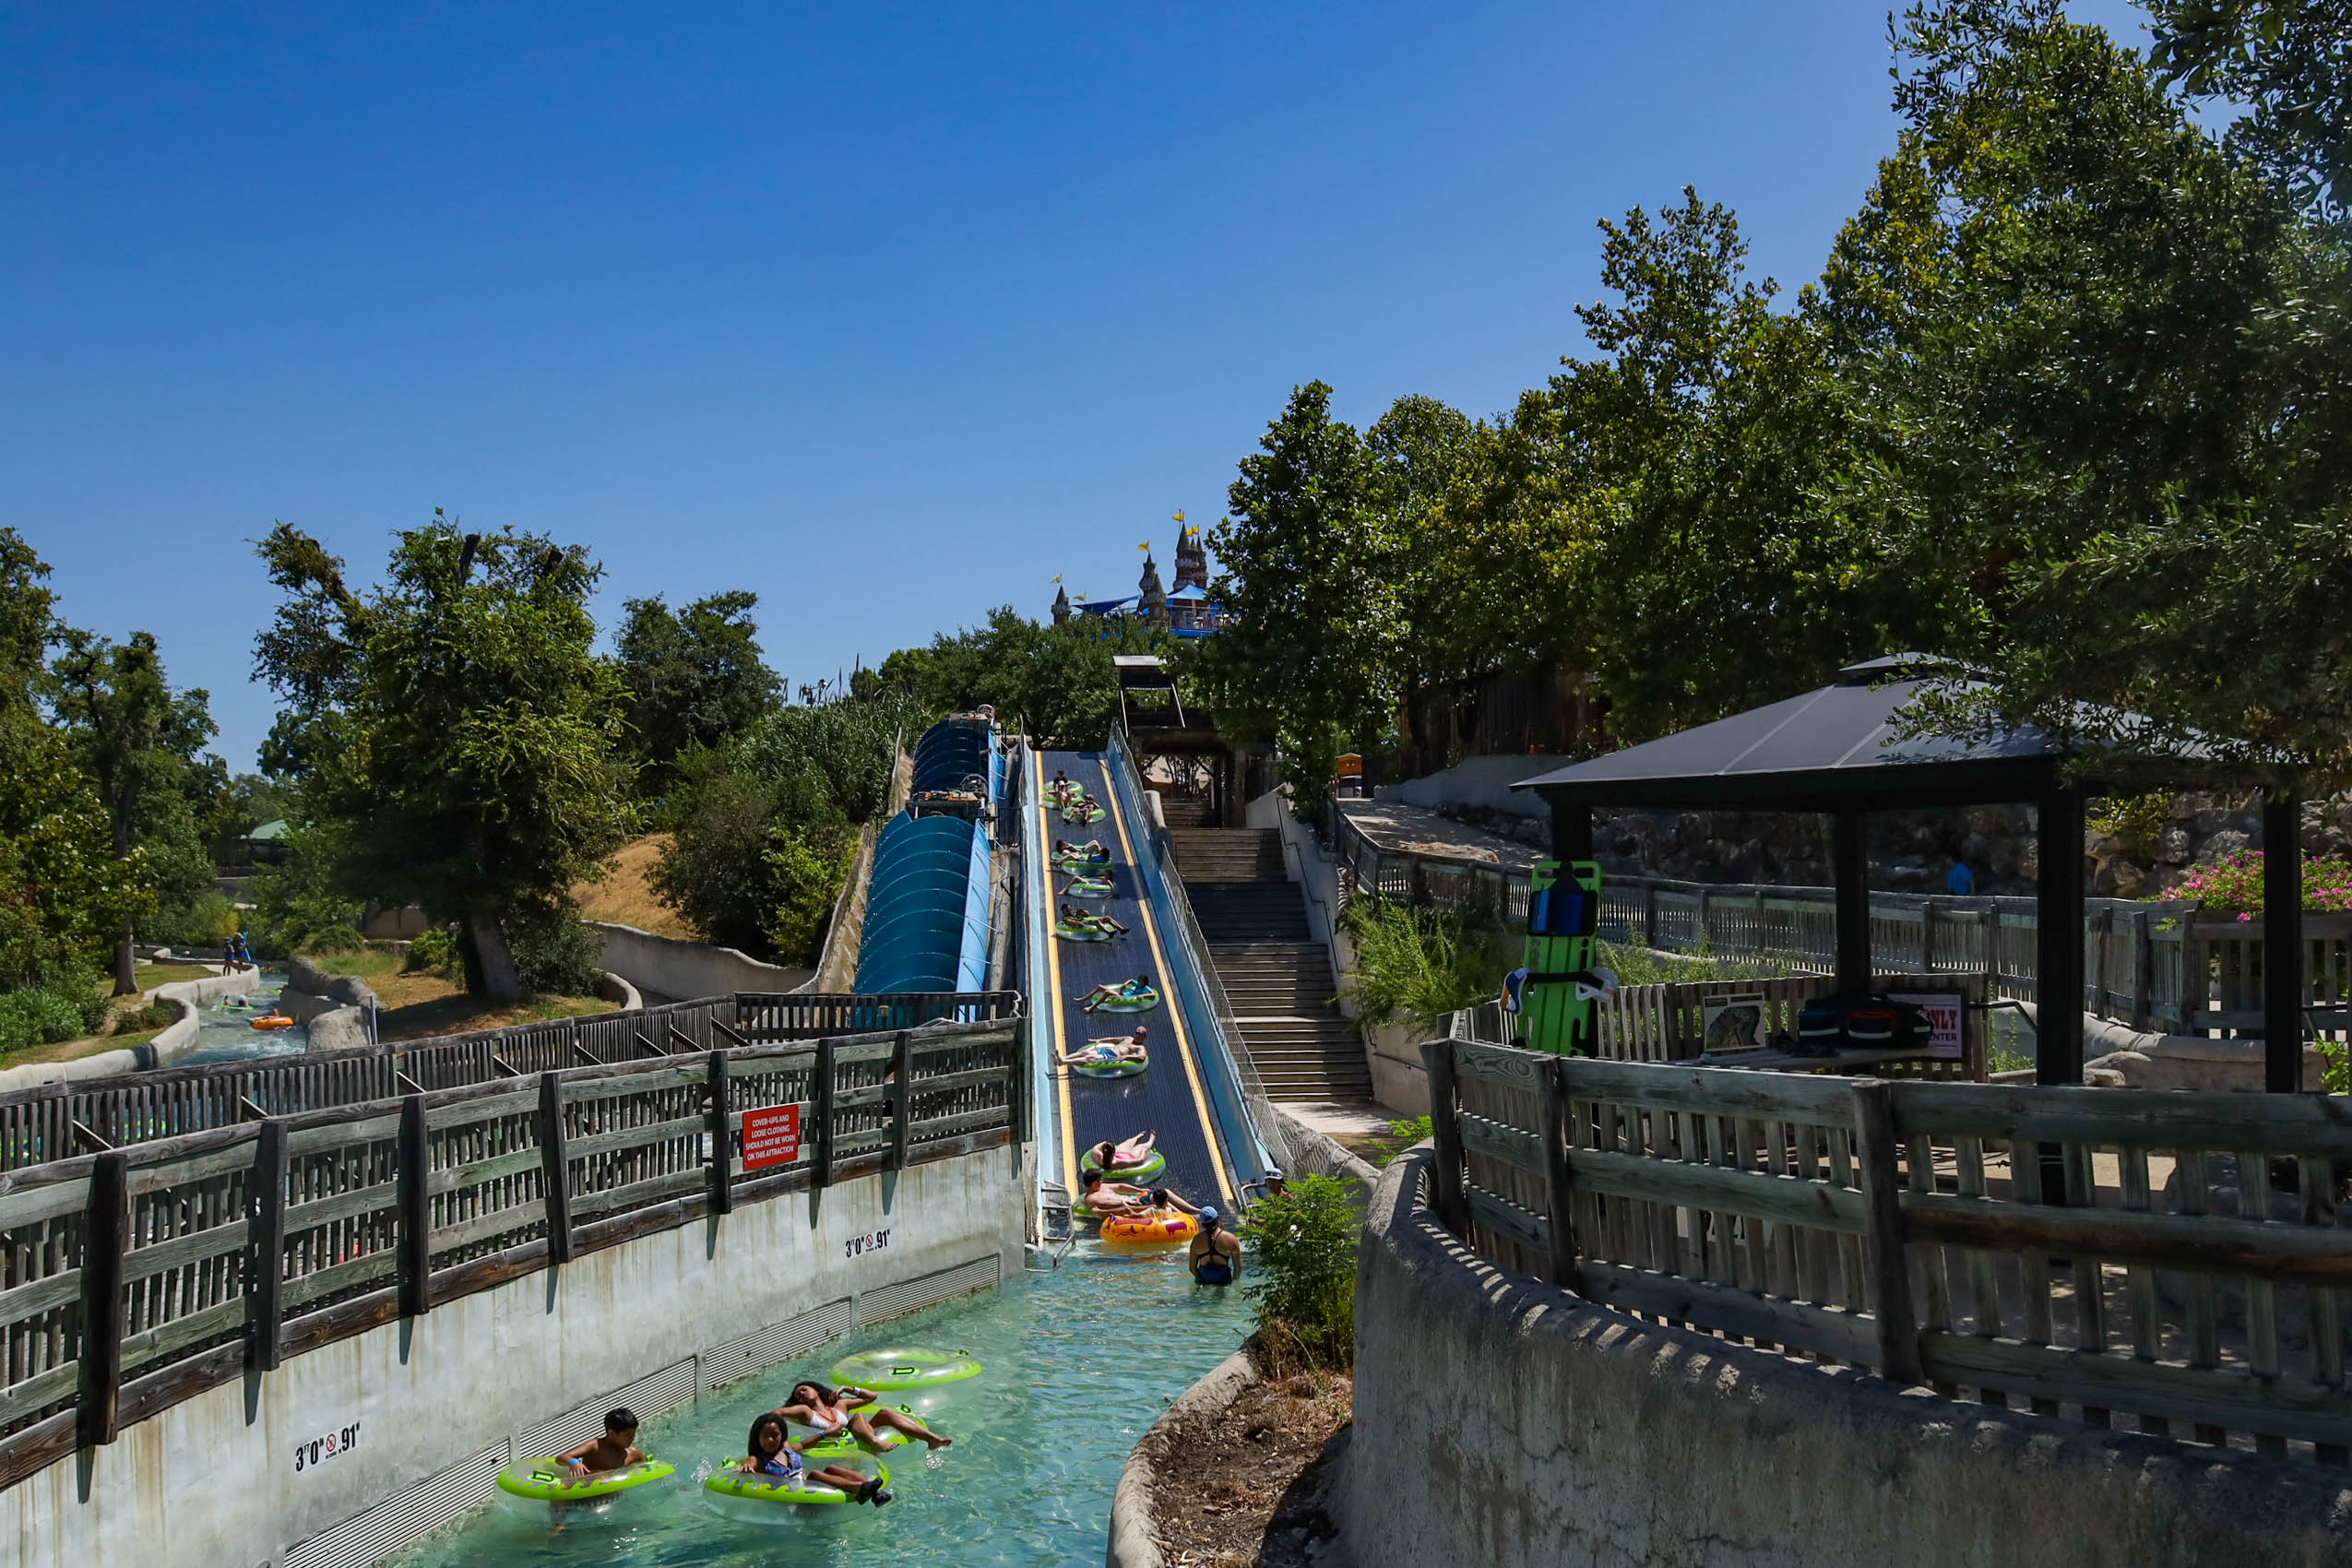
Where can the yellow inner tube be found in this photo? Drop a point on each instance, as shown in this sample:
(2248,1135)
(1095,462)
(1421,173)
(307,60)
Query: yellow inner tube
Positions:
(1160,1228)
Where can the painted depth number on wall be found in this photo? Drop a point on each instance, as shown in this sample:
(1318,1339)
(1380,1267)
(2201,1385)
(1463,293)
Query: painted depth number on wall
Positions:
(871,1241)
(318,1450)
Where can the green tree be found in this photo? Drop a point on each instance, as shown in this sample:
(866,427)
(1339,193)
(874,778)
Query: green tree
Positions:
(137,741)
(694,677)
(480,776)
(1309,583)
(763,831)
(1055,684)
(64,891)
(2113,355)
(2283,61)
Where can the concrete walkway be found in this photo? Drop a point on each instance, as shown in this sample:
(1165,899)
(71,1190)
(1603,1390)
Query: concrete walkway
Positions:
(1418,830)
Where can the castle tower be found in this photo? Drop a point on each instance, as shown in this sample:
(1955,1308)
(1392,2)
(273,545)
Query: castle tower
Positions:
(1061,606)
(1155,598)
(1192,560)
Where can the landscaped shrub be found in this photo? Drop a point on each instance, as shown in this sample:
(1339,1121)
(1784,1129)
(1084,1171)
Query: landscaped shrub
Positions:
(2235,885)
(1415,965)
(1401,1136)
(66,1009)
(1305,1254)
(335,940)
(435,953)
(556,952)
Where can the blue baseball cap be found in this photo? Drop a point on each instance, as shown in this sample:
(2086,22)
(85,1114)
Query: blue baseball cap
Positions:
(1208,1214)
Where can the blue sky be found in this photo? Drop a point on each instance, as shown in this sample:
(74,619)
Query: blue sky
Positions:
(887,314)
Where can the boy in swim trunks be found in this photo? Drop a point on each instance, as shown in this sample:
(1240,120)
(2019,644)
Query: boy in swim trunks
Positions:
(617,1450)
(1117,1199)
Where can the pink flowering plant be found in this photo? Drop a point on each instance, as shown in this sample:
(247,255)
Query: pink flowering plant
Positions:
(2235,885)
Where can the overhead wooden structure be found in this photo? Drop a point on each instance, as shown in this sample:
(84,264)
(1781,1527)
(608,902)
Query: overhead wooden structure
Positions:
(1836,751)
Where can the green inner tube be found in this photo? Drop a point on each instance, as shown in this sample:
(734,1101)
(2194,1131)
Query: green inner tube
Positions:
(1110,1069)
(1083,815)
(890,1369)
(1080,863)
(545,1480)
(1154,1163)
(1141,1002)
(1085,889)
(845,1442)
(1071,933)
(728,1480)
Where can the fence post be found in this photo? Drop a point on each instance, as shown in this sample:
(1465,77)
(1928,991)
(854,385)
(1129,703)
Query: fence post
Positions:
(415,1195)
(1446,1109)
(2143,972)
(1554,1126)
(721,1136)
(822,1175)
(1884,1264)
(1649,914)
(555,1168)
(1928,912)
(1705,919)
(902,1068)
(265,1303)
(106,1233)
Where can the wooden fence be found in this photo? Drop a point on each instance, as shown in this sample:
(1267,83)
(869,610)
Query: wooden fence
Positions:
(2162,967)
(2086,1252)
(136,1277)
(57,1121)
(1668,1023)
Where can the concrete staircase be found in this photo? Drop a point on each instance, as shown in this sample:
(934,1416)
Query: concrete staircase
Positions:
(1277,977)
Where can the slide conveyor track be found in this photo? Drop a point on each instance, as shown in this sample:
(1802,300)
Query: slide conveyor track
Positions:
(1172,1098)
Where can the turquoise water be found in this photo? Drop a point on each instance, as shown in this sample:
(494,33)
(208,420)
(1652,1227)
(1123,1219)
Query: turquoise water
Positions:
(225,1032)
(1080,1360)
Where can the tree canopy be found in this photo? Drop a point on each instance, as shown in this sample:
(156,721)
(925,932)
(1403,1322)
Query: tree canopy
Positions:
(2065,405)
(694,676)
(478,772)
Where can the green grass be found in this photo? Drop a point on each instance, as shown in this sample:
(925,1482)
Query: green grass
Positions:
(71,1049)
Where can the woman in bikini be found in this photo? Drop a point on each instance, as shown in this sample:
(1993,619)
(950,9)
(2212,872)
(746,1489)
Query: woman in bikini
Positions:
(832,1411)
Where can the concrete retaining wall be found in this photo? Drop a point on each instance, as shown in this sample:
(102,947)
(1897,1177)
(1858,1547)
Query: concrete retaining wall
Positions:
(1134,1535)
(685,971)
(1480,781)
(214,1481)
(178,1039)
(1503,1422)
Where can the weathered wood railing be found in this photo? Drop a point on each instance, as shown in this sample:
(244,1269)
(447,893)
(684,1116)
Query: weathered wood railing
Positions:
(1668,1023)
(57,1121)
(2083,1251)
(136,1278)
(2157,966)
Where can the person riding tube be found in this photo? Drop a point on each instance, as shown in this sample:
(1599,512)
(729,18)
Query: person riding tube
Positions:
(832,1411)
(773,1452)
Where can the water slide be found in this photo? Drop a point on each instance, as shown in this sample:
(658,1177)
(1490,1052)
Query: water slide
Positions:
(1193,1094)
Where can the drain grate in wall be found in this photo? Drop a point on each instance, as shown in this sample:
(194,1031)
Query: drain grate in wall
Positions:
(722,1364)
(914,1295)
(648,1397)
(407,1516)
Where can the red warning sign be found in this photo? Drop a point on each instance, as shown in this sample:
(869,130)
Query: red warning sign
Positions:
(771,1136)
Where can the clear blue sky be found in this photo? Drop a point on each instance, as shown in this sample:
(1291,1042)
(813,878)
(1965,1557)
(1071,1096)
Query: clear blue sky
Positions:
(886,313)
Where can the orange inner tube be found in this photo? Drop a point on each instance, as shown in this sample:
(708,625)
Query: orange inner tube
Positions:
(1160,1228)
(273,1021)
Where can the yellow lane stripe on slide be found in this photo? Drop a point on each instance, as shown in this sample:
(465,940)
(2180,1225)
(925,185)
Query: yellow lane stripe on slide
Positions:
(1168,991)
(1054,1010)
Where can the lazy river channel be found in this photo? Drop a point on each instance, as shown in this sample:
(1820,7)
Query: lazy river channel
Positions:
(1080,1360)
